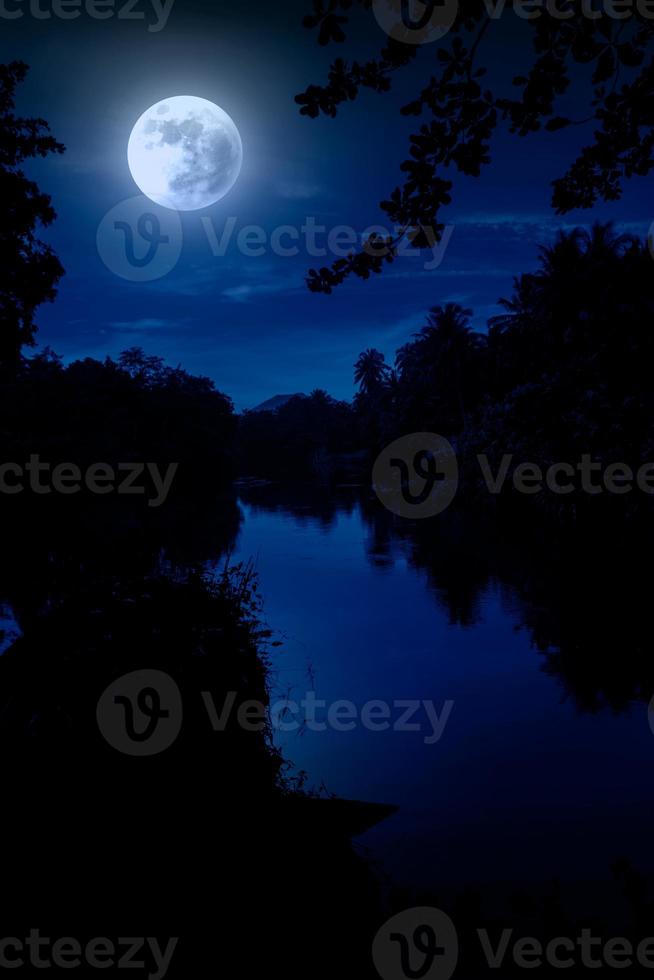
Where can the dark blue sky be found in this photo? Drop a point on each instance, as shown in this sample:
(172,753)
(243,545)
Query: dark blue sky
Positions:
(249,322)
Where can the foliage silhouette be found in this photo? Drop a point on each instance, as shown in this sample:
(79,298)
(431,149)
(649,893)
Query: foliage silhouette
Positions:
(106,842)
(565,371)
(99,586)
(29,269)
(463,110)
(302,436)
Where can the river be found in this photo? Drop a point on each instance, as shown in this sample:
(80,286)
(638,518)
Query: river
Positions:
(534,777)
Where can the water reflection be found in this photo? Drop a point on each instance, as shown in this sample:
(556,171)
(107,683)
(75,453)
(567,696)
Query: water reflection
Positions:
(580,594)
(191,841)
(541,641)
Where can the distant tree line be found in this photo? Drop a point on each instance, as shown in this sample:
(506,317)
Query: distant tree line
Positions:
(134,408)
(301,437)
(564,371)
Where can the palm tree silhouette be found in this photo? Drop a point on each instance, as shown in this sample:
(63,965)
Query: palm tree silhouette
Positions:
(371,371)
(438,366)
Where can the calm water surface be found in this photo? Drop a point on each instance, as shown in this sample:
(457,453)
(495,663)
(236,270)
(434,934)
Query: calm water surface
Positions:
(523,787)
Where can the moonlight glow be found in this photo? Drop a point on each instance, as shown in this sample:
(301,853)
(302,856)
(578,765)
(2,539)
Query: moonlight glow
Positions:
(185,153)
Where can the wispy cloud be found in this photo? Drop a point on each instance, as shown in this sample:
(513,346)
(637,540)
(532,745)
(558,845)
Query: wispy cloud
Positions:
(496,220)
(147,324)
(546,224)
(444,273)
(248,291)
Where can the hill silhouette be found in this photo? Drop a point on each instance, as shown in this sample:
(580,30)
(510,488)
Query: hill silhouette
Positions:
(272,404)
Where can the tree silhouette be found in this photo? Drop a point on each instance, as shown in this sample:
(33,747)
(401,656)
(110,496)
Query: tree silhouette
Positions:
(462,112)
(296,436)
(29,269)
(572,306)
(439,372)
(371,371)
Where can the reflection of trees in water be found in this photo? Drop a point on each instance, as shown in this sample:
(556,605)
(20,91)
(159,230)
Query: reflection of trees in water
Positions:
(305,503)
(204,841)
(99,587)
(104,590)
(586,602)
(579,592)
(51,550)
(581,595)
(456,560)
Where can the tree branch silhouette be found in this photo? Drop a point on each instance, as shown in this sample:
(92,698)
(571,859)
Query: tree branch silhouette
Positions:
(462,113)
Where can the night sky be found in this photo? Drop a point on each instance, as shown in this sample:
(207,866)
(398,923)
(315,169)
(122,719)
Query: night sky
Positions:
(249,322)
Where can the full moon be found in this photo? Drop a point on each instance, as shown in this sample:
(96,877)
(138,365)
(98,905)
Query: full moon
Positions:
(185,153)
